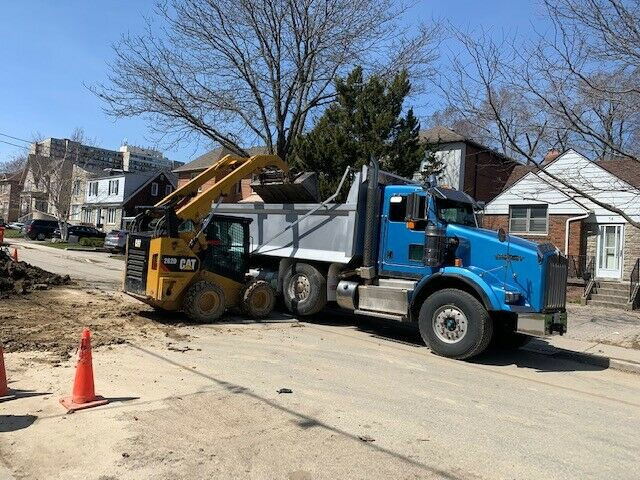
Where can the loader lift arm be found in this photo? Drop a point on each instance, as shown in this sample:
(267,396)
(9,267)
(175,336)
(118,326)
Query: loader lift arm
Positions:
(194,205)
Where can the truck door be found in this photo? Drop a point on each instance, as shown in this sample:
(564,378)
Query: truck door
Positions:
(402,245)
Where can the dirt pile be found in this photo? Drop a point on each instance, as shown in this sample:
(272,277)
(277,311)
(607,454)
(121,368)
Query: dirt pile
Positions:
(20,277)
(52,321)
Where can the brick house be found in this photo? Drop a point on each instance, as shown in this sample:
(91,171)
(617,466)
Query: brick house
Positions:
(190,170)
(596,240)
(110,201)
(469,166)
(10,188)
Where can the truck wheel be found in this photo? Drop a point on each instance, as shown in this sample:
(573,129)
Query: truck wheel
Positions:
(258,299)
(455,324)
(204,302)
(304,289)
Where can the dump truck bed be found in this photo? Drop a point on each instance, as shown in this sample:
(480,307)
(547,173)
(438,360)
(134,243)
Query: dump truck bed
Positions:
(334,233)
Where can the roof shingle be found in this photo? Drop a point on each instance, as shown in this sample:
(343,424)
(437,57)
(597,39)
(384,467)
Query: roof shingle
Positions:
(205,161)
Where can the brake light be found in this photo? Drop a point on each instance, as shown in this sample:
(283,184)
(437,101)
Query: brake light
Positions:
(154,262)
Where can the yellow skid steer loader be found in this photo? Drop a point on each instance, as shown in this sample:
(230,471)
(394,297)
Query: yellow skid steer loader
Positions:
(181,255)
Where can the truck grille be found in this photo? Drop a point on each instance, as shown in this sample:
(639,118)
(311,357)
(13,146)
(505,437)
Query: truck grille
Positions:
(555,295)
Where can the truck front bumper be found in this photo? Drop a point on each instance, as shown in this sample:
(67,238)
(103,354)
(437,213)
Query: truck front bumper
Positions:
(542,324)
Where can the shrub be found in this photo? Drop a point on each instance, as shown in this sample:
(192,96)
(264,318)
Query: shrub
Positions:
(92,242)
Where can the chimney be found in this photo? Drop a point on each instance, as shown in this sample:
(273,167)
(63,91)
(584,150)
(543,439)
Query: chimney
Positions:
(550,156)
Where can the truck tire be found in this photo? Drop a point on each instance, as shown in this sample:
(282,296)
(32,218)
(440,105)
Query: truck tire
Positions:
(204,302)
(304,289)
(258,299)
(455,324)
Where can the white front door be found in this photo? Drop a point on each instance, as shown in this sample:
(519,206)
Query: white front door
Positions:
(609,251)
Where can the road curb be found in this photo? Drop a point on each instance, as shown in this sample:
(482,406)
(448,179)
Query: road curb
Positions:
(586,358)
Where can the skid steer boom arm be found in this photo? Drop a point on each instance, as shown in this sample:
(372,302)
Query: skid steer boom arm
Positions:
(194,205)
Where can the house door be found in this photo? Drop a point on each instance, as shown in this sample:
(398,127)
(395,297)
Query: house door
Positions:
(609,251)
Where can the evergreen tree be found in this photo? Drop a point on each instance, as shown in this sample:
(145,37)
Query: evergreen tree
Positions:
(365,120)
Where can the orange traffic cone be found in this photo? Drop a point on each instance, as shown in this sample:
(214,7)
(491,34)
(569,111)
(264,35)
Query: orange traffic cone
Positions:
(83,395)
(15,254)
(4,390)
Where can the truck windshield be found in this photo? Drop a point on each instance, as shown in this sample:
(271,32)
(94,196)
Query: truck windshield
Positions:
(456,212)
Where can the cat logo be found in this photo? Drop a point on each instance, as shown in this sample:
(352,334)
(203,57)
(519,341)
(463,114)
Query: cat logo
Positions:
(188,264)
(179,264)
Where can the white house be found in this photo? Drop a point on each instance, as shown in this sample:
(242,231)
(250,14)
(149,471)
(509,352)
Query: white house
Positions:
(537,207)
(111,198)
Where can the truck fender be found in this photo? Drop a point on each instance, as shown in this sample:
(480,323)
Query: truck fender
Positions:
(464,280)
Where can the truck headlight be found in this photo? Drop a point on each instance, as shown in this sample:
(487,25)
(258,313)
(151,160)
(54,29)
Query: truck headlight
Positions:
(511,297)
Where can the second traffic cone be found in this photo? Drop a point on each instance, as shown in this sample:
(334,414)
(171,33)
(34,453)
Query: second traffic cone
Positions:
(4,390)
(84,394)
(15,254)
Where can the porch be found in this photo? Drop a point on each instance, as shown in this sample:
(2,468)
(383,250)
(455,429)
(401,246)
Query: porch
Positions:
(598,288)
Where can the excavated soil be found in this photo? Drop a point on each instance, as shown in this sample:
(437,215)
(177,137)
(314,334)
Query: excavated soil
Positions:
(20,277)
(52,321)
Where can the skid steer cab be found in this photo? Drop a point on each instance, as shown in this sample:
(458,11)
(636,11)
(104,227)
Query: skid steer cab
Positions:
(174,264)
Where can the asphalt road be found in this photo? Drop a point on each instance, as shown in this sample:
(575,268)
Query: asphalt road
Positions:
(95,267)
(367,401)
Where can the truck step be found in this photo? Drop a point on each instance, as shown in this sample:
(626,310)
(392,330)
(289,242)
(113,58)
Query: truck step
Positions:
(397,283)
(392,300)
(388,316)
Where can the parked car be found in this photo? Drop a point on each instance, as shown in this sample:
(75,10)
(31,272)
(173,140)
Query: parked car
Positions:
(15,225)
(80,231)
(116,240)
(39,229)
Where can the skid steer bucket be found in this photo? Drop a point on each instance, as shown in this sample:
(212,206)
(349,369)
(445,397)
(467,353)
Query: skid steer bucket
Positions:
(273,188)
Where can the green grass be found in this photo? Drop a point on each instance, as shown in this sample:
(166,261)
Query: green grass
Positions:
(10,233)
(60,245)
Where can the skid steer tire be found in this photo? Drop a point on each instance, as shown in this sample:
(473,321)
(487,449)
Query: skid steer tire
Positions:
(455,324)
(258,299)
(204,302)
(304,289)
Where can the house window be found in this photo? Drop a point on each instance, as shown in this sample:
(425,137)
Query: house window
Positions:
(168,189)
(93,189)
(111,216)
(531,219)
(113,187)
(154,189)
(76,187)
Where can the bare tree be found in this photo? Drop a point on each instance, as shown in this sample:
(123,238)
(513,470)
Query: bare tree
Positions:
(239,70)
(52,176)
(14,164)
(563,90)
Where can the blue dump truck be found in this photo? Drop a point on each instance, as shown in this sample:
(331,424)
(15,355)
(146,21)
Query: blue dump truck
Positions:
(409,252)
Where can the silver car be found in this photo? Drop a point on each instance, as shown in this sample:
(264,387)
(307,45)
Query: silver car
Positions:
(116,240)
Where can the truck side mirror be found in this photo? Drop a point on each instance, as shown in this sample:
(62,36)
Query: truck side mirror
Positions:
(416,207)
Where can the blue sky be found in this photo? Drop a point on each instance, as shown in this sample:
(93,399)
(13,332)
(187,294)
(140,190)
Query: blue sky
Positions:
(48,50)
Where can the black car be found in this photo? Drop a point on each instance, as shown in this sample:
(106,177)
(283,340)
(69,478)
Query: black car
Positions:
(39,229)
(81,231)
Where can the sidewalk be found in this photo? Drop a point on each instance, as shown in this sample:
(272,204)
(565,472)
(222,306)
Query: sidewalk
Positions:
(592,353)
(599,336)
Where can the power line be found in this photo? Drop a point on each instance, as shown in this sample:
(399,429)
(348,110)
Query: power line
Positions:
(14,144)
(15,138)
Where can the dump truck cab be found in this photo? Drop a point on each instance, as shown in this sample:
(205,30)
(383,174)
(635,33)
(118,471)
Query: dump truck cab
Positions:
(431,235)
